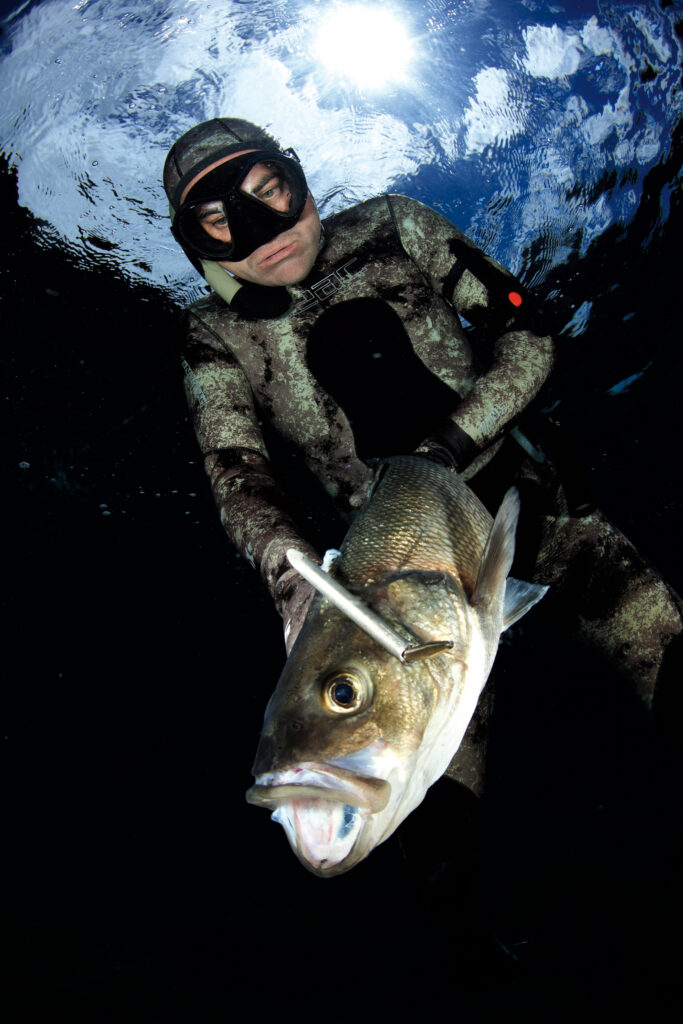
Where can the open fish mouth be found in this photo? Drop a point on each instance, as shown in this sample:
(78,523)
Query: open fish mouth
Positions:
(323,810)
(314,780)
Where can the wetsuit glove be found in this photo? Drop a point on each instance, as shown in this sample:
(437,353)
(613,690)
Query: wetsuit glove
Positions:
(449,446)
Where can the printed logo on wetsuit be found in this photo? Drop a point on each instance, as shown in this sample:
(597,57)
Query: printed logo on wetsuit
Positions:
(326,288)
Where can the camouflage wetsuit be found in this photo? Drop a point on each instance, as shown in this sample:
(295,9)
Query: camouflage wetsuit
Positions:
(367,362)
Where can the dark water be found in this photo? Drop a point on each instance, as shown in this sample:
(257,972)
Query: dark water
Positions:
(140,652)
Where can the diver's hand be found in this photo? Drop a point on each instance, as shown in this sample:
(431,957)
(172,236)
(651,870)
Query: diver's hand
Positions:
(450,447)
(433,450)
(361,493)
(293,597)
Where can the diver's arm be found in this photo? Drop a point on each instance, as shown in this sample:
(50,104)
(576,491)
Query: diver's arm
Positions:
(254,513)
(253,509)
(495,302)
(522,361)
(523,354)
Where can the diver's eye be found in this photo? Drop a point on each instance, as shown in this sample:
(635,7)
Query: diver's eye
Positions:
(345,692)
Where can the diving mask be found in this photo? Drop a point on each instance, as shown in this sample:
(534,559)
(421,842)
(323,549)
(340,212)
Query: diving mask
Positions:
(258,196)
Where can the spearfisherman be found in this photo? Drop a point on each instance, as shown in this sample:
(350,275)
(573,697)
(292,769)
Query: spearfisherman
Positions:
(345,336)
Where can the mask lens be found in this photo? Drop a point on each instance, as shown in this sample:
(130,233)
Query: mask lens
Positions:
(212,217)
(241,206)
(268,184)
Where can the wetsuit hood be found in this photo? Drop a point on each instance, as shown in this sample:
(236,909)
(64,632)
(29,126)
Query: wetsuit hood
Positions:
(205,144)
(196,150)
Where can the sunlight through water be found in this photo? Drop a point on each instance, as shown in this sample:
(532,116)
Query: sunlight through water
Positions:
(532,130)
(365,45)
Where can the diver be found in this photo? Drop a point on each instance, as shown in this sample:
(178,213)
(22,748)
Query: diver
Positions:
(345,336)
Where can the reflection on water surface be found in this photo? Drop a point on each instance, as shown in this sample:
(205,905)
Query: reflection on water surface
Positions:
(526,126)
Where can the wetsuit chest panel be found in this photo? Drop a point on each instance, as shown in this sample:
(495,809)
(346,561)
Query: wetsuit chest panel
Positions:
(361,354)
(363,262)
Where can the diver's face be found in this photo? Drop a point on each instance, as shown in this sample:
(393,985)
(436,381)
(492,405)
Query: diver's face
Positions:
(288,257)
(285,259)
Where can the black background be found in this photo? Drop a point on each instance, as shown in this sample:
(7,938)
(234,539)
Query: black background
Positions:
(140,651)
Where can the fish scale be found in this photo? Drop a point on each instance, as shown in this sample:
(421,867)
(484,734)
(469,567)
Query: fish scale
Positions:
(437,524)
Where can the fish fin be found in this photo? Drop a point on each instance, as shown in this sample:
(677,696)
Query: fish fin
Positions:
(498,553)
(519,598)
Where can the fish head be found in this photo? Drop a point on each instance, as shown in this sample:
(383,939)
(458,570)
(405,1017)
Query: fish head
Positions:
(338,760)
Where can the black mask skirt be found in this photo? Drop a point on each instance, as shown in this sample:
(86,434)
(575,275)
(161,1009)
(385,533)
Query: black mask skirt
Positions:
(251,216)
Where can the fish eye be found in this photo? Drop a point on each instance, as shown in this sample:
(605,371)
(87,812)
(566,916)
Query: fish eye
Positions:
(345,692)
